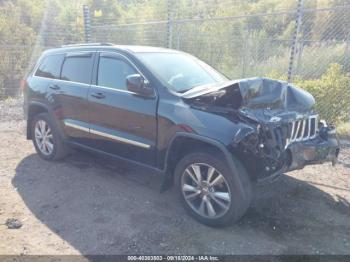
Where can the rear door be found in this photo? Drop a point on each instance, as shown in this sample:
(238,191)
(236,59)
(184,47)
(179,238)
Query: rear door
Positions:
(121,122)
(45,76)
(69,95)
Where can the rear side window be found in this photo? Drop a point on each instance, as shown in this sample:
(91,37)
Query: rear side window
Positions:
(50,67)
(77,68)
(112,72)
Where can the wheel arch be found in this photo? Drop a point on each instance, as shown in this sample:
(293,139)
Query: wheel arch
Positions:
(184,143)
(34,108)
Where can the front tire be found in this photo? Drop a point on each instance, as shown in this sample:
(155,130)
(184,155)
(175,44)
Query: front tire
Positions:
(46,139)
(208,191)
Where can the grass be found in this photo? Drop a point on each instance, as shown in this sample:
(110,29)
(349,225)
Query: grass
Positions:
(343,130)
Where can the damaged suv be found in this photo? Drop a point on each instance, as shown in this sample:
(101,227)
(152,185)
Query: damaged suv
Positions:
(166,110)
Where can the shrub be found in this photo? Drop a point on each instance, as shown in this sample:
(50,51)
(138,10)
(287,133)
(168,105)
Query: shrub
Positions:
(332,94)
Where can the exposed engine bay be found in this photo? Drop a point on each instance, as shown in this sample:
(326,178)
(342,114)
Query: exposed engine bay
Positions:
(282,133)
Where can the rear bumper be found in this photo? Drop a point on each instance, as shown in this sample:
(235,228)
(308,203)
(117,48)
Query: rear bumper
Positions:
(323,148)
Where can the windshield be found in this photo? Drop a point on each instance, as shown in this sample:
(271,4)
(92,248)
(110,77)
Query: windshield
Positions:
(181,72)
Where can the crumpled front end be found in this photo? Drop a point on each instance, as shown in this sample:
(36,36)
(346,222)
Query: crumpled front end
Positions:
(323,148)
(284,134)
(291,134)
(287,145)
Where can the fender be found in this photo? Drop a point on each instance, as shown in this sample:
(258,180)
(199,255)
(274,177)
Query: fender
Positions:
(167,179)
(51,116)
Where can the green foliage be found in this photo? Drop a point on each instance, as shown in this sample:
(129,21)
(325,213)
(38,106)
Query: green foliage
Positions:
(316,59)
(331,91)
(274,74)
(343,130)
(242,47)
(332,94)
(15,37)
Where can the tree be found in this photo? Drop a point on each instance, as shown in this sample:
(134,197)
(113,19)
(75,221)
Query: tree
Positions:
(15,38)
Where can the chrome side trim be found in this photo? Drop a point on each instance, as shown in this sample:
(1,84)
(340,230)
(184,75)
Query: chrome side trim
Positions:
(77,126)
(113,137)
(120,139)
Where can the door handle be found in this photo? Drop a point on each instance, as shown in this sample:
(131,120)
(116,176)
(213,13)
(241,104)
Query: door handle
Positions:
(54,87)
(98,95)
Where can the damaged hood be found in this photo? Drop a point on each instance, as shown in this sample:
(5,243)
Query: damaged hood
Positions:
(262,97)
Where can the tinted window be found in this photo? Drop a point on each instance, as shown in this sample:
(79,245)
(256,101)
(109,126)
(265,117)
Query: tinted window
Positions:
(77,69)
(50,66)
(112,72)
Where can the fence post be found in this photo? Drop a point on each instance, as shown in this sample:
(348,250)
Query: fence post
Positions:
(298,22)
(244,56)
(87,23)
(178,34)
(347,54)
(169,23)
(300,54)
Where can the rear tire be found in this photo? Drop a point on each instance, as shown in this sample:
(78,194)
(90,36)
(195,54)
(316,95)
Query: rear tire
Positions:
(46,139)
(217,186)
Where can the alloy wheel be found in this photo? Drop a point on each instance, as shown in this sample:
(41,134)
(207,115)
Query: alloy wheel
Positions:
(206,190)
(44,137)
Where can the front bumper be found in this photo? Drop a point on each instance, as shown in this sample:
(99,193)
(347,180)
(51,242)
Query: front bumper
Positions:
(323,148)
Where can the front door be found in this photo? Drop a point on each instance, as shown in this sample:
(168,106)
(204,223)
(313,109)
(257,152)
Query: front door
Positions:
(121,122)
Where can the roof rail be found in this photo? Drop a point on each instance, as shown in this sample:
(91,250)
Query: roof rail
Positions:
(88,44)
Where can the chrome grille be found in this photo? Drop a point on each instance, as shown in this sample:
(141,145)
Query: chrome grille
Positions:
(303,129)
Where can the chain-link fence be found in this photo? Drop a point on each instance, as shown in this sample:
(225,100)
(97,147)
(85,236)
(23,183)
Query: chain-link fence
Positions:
(245,45)
(306,43)
(22,49)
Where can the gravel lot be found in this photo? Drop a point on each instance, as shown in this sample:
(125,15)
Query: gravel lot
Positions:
(87,205)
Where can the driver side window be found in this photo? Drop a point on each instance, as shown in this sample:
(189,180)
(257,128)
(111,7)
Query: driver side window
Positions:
(112,73)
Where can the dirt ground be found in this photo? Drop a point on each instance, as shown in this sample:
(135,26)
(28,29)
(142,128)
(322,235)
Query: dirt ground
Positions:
(87,205)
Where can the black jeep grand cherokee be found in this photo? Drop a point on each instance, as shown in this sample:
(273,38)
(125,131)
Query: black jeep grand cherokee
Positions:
(169,111)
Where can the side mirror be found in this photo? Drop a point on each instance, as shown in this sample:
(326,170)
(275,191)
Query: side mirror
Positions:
(136,83)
